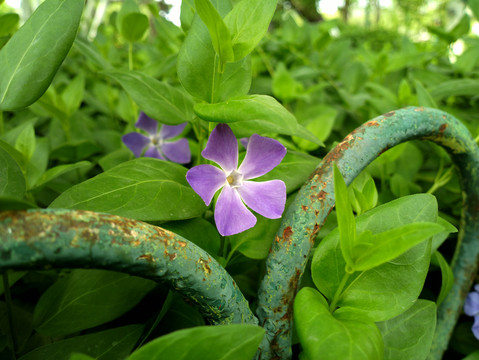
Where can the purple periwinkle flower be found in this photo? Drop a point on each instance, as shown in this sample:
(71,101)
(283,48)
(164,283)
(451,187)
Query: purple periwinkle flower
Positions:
(157,143)
(471,308)
(267,198)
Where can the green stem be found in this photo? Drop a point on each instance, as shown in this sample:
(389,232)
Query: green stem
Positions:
(339,291)
(130,56)
(8,300)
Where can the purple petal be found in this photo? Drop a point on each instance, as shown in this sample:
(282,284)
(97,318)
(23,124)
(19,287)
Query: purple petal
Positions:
(267,198)
(222,148)
(153,152)
(206,180)
(170,131)
(136,142)
(475,327)
(262,155)
(177,151)
(471,305)
(231,215)
(476,287)
(147,123)
(244,141)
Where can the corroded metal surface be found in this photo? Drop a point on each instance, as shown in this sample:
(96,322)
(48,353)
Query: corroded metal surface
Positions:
(66,238)
(295,238)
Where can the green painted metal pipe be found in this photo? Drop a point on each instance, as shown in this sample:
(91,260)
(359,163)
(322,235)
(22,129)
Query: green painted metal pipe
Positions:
(73,238)
(295,238)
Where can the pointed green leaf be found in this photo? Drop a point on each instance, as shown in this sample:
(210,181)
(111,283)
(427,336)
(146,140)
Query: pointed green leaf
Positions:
(12,179)
(409,335)
(143,189)
(24,77)
(324,336)
(159,100)
(87,298)
(104,345)
(389,289)
(248,22)
(388,245)
(226,342)
(220,36)
(59,170)
(252,114)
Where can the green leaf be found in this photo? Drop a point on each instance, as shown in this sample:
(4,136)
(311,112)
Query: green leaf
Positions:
(253,114)
(447,276)
(77,356)
(285,87)
(199,231)
(12,180)
(87,298)
(25,142)
(256,242)
(345,216)
(424,98)
(104,345)
(159,100)
(59,170)
(409,335)
(231,342)
(374,250)
(24,78)
(438,239)
(324,336)
(127,7)
(196,65)
(134,26)
(472,356)
(219,33)
(293,170)
(389,289)
(12,203)
(8,24)
(320,125)
(248,22)
(143,189)
(91,53)
(474,6)
(466,87)
(72,96)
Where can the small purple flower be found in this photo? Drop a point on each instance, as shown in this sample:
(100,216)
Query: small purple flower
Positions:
(156,142)
(471,308)
(267,198)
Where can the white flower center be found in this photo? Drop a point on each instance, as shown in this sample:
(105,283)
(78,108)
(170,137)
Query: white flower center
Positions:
(234,179)
(156,141)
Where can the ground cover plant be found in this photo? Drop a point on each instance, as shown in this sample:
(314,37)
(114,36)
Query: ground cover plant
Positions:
(163,171)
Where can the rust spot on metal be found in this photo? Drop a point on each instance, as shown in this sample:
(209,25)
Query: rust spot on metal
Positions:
(204,265)
(442,128)
(372,123)
(287,232)
(181,243)
(419,109)
(171,256)
(147,257)
(304,207)
(389,114)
